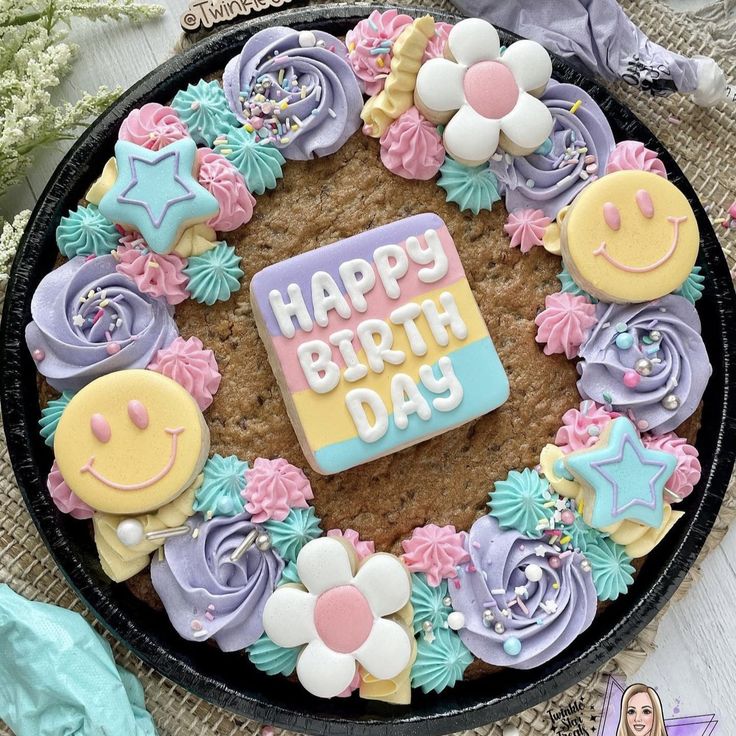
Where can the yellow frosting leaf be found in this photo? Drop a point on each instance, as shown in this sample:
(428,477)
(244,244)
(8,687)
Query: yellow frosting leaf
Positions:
(645,543)
(397,95)
(120,562)
(103,183)
(195,240)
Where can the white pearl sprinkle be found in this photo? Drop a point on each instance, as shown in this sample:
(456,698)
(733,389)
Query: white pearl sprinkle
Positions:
(307,39)
(456,620)
(130,532)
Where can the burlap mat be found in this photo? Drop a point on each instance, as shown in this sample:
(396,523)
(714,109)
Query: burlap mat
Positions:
(704,144)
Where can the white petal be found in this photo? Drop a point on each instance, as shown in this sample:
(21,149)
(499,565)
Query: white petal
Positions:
(472,40)
(385,583)
(439,85)
(529,124)
(288,617)
(470,138)
(324,563)
(386,651)
(322,672)
(530,64)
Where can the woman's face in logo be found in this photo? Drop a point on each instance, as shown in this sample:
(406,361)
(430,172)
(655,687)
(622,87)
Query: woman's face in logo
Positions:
(640,715)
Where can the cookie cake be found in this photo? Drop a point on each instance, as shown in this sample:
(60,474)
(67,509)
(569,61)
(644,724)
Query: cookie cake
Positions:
(375,360)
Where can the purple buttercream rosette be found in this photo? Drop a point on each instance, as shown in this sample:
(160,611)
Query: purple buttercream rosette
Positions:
(90,320)
(581,144)
(673,370)
(510,619)
(205,593)
(315,80)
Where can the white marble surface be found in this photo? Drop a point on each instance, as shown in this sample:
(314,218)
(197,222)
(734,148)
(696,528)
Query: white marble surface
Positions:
(694,667)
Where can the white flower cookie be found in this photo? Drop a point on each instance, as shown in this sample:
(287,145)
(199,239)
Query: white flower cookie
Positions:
(487,98)
(340,616)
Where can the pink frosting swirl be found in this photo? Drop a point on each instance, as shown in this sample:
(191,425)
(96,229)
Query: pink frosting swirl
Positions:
(273,487)
(582,427)
(435,48)
(411,147)
(435,551)
(64,498)
(191,366)
(160,275)
(526,228)
(687,472)
(378,30)
(153,126)
(221,179)
(634,155)
(565,323)
(362,548)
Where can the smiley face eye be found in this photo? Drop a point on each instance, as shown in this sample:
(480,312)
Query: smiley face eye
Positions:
(100,428)
(138,414)
(612,216)
(645,204)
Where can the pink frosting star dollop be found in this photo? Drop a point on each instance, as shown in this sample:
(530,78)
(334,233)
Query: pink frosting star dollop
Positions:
(377,31)
(227,185)
(362,548)
(160,275)
(526,228)
(634,155)
(273,487)
(435,48)
(192,366)
(565,323)
(153,126)
(411,147)
(435,551)
(687,472)
(582,427)
(64,498)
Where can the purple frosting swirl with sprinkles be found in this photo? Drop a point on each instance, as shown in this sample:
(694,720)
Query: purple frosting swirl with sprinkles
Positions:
(647,361)
(296,90)
(551,178)
(523,601)
(90,320)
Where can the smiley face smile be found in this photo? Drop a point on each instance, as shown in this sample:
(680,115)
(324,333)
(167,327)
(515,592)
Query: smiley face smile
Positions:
(601,251)
(88,468)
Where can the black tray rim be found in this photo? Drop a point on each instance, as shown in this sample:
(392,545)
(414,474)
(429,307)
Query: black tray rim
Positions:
(442,714)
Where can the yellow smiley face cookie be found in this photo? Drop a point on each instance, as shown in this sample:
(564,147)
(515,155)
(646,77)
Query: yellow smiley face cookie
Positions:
(130,442)
(631,236)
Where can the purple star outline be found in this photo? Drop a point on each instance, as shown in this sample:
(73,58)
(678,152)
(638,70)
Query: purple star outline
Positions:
(616,510)
(122,199)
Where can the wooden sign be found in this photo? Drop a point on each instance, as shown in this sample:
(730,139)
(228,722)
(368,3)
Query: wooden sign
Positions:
(208,13)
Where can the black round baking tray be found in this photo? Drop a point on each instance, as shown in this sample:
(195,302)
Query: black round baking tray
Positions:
(229,680)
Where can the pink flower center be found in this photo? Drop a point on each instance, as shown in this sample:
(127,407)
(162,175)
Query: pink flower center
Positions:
(343,618)
(490,89)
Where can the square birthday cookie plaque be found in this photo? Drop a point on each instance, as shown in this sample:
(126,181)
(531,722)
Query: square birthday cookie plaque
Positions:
(377,342)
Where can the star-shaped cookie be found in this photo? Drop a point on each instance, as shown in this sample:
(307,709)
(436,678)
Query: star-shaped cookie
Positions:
(157,194)
(621,478)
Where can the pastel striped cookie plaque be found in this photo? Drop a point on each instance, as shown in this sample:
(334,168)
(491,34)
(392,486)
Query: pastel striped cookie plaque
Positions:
(377,342)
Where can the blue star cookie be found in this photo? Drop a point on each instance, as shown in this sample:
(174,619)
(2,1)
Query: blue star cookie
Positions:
(623,479)
(157,194)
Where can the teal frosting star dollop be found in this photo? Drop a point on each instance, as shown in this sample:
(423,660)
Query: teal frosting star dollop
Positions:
(291,534)
(694,285)
(259,163)
(222,486)
(273,659)
(473,188)
(157,194)
(441,662)
(214,275)
(427,602)
(50,416)
(626,479)
(581,535)
(203,108)
(611,568)
(569,286)
(86,232)
(521,502)
(290,574)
